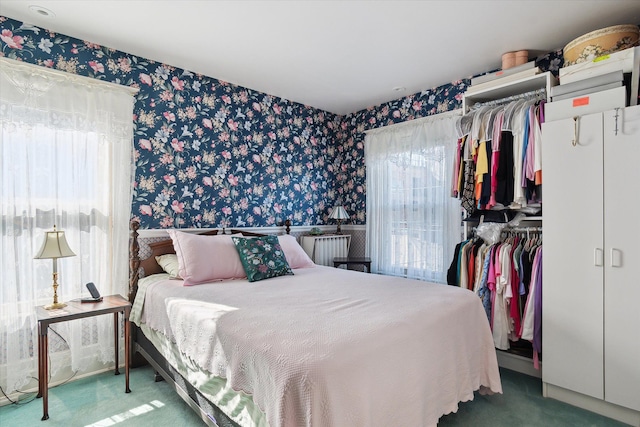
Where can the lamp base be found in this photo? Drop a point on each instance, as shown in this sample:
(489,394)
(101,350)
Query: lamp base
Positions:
(55,306)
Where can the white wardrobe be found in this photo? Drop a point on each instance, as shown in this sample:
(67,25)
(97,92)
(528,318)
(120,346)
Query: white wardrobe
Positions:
(591,259)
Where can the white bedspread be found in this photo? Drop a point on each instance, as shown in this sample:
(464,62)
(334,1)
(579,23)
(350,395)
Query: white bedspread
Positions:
(331,347)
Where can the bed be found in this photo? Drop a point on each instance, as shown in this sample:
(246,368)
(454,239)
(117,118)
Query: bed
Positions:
(319,347)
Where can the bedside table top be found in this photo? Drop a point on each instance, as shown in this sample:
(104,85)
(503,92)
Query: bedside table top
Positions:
(77,310)
(352,260)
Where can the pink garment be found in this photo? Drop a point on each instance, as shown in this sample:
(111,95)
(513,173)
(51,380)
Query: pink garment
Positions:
(534,138)
(501,323)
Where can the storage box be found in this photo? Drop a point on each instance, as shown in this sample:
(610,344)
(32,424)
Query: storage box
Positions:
(503,73)
(627,60)
(585,104)
(591,82)
(581,92)
(509,78)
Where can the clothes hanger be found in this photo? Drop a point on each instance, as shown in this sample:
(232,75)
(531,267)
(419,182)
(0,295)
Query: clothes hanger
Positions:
(477,122)
(489,120)
(508,114)
(519,112)
(459,131)
(463,124)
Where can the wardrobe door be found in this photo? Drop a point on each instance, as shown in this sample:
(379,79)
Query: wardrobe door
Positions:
(622,257)
(572,349)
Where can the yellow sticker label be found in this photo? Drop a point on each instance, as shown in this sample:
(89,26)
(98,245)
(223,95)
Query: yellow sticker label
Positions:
(601,58)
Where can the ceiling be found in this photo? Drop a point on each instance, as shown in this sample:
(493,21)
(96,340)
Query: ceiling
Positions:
(339,56)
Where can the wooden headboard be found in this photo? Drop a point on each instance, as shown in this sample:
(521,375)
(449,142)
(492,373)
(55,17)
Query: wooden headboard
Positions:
(163,247)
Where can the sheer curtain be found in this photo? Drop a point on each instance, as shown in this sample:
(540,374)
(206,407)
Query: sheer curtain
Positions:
(66,159)
(413,224)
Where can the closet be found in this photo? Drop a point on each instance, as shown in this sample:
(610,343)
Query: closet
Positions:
(503,266)
(591,298)
(512,106)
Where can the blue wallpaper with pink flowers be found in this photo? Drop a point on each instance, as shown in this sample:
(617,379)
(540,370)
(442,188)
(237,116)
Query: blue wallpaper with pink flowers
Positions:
(213,154)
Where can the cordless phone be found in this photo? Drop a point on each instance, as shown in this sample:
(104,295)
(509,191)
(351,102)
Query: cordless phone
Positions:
(94,294)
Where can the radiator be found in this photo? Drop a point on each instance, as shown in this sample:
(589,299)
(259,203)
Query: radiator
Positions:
(322,249)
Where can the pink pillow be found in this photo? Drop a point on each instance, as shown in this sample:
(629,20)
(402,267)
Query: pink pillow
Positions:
(293,252)
(206,258)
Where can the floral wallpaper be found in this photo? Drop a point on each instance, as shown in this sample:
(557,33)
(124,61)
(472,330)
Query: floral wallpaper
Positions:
(207,153)
(351,184)
(212,154)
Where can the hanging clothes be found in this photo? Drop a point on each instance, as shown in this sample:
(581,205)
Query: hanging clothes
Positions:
(498,156)
(507,277)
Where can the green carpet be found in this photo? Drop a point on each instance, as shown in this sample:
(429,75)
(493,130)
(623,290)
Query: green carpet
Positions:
(522,404)
(100,401)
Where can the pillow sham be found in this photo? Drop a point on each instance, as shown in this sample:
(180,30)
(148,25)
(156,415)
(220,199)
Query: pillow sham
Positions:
(169,264)
(262,257)
(296,256)
(206,258)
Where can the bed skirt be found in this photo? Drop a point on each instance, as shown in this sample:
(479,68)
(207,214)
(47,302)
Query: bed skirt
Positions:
(210,413)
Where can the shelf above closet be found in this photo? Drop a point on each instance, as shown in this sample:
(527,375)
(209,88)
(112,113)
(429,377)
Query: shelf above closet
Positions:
(509,88)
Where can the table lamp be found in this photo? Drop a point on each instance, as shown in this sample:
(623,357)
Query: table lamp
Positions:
(339,213)
(54,246)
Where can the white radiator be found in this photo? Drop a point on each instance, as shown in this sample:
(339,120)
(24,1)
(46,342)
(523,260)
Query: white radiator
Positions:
(322,249)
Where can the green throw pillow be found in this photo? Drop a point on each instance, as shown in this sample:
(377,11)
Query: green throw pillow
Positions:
(262,257)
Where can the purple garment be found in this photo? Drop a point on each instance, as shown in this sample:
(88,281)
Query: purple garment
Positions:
(521,289)
(483,291)
(537,316)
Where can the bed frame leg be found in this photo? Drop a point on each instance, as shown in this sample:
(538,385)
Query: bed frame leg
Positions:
(157,377)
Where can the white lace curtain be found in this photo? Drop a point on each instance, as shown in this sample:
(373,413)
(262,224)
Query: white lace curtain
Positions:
(413,223)
(65,159)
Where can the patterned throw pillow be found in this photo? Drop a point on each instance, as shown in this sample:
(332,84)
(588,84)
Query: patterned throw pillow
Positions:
(262,257)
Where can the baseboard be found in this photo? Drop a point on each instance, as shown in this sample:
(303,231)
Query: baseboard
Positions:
(618,413)
(518,363)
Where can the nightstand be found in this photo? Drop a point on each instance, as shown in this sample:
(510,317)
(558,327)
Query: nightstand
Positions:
(364,261)
(76,310)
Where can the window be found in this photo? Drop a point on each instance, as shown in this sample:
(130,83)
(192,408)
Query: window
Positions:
(412,222)
(65,160)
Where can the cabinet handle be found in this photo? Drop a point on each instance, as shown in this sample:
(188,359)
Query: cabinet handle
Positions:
(597,257)
(616,257)
(576,126)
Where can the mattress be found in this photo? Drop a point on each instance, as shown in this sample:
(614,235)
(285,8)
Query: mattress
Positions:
(327,347)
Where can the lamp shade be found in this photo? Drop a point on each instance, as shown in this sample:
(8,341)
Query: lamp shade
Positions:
(54,246)
(339,212)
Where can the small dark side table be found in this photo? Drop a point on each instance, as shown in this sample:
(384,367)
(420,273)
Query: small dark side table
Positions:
(364,261)
(76,310)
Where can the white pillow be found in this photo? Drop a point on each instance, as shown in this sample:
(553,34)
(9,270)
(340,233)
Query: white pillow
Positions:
(293,252)
(206,258)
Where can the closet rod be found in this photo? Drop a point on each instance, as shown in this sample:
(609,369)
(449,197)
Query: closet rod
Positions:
(518,229)
(526,95)
(508,229)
